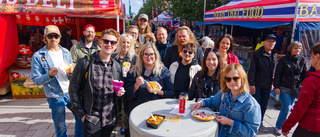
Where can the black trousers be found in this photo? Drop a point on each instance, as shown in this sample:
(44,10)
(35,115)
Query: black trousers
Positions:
(301,132)
(91,130)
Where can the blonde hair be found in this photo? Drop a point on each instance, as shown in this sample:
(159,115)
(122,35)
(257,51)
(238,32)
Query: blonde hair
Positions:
(242,75)
(192,38)
(157,65)
(131,52)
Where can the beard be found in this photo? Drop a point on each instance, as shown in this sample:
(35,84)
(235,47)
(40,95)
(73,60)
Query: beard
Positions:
(89,38)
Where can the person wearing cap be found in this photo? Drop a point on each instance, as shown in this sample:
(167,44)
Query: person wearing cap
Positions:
(145,31)
(94,98)
(48,69)
(260,74)
(87,44)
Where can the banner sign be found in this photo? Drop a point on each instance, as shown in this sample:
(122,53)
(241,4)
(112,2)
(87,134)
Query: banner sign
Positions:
(283,12)
(62,7)
(308,12)
(44,20)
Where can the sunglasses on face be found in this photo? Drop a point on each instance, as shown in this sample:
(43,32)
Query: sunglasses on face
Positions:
(186,51)
(51,36)
(228,79)
(106,41)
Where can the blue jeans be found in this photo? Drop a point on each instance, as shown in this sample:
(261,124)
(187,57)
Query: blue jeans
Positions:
(287,104)
(262,96)
(57,106)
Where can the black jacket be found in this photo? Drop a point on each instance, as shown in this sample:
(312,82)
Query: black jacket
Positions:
(198,87)
(283,75)
(81,94)
(162,48)
(66,41)
(172,55)
(261,68)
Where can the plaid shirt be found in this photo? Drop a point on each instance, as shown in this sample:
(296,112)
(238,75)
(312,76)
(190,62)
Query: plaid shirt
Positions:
(103,108)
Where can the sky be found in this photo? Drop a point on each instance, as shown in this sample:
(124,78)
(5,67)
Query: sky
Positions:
(135,6)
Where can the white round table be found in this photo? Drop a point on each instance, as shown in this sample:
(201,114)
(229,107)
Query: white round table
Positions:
(187,126)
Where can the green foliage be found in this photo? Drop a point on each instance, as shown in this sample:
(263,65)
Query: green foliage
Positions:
(193,9)
(147,8)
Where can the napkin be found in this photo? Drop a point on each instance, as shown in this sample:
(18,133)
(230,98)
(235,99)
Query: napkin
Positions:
(175,111)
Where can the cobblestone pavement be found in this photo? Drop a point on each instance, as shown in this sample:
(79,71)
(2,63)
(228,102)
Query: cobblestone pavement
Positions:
(32,118)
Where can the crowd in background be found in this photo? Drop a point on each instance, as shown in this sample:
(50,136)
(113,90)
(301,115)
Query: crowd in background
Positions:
(215,79)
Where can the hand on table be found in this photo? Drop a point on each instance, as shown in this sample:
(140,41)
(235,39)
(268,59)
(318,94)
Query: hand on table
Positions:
(224,120)
(197,105)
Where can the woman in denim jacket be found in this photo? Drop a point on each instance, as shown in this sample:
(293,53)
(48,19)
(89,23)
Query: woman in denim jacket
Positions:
(239,111)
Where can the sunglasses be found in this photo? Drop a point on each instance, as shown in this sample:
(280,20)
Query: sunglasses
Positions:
(51,36)
(228,79)
(186,51)
(211,49)
(105,41)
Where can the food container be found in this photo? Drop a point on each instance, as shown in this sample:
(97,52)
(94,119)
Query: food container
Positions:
(154,86)
(150,121)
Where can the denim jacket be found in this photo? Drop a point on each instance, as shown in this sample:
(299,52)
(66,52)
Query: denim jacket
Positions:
(40,66)
(243,110)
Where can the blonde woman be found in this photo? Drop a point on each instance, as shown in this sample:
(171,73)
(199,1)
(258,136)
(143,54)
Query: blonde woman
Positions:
(125,51)
(239,112)
(148,68)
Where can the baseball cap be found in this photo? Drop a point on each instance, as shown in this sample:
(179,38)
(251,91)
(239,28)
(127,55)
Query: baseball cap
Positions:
(143,16)
(269,36)
(88,26)
(51,29)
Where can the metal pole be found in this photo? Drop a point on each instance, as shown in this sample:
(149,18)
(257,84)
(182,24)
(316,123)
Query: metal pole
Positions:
(231,29)
(124,26)
(294,21)
(118,25)
(204,13)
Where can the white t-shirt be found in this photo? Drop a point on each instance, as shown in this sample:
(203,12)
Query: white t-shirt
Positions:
(57,58)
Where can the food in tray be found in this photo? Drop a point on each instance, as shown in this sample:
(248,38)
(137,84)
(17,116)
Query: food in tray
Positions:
(158,119)
(202,115)
(153,85)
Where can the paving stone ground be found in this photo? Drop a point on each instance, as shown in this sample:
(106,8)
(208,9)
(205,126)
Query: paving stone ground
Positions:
(32,118)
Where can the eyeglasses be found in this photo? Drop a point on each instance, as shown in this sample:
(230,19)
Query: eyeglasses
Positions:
(106,41)
(147,55)
(90,32)
(228,79)
(133,33)
(51,36)
(186,51)
(211,49)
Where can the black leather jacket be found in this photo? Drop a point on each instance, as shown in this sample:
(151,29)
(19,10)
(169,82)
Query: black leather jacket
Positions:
(261,68)
(81,91)
(283,75)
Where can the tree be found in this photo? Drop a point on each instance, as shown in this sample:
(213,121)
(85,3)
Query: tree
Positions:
(148,5)
(193,9)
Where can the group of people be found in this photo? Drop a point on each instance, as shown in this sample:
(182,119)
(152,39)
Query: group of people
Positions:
(215,79)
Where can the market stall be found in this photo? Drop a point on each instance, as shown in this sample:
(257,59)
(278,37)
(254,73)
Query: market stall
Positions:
(102,14)
(301,15)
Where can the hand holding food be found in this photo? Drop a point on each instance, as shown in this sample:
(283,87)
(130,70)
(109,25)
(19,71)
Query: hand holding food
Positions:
(154,87)
(197,105)
(53,71)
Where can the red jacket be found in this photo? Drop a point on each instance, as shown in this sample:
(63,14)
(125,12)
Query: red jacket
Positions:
(232,59)
(307,109)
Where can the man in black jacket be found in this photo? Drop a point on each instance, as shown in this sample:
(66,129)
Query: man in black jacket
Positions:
(184,35)
(93,98)
(260,74)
